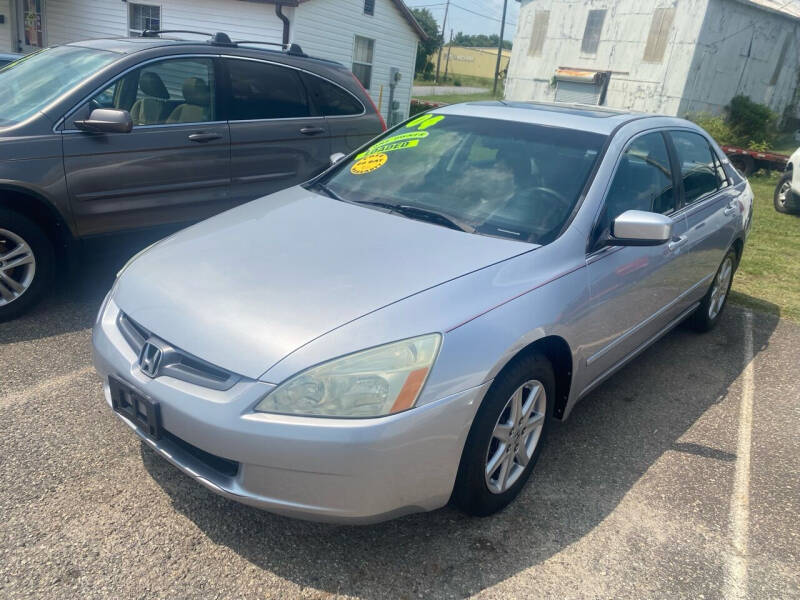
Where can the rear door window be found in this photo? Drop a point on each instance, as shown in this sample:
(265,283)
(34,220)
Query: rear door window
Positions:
(699,165)
(330,99)
(265,91)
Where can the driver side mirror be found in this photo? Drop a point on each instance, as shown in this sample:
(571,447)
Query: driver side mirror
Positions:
(336,157)
(640,228)
(107,120)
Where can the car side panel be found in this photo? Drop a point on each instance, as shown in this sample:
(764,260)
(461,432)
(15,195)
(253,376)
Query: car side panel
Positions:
(348,133)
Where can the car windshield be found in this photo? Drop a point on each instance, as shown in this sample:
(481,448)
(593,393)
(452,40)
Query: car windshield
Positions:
(30,84)
(486,176)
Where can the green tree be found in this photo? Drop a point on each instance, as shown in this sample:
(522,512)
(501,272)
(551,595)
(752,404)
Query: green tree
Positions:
(480,40)
(426,47)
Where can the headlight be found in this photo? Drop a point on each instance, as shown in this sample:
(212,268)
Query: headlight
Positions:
(371,383)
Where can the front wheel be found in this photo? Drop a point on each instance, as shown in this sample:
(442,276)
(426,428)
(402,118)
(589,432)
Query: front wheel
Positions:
(784,199)
(506,437)
(707,314)
(26,264)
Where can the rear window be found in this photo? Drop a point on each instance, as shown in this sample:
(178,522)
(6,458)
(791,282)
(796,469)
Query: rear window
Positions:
(265,91)
(500,178)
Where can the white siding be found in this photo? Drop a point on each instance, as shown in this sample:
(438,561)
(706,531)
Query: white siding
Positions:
(327,28)
(635,84)
(6,36)
(737,53)
(70,20)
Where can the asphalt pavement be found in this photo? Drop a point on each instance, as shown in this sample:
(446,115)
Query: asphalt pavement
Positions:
(678,478)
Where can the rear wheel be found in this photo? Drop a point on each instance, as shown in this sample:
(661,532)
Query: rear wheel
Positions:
(506,437)
(784,199)
(707,314)
(26,264)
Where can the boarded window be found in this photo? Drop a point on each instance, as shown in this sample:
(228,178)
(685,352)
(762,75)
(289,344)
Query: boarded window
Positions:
(591,35)
(539,32)
(369,7)
(659,34)
(781,58)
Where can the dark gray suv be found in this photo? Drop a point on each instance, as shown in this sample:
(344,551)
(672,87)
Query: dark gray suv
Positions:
(109,135)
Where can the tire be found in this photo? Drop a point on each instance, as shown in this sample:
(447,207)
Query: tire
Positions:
(23,281)
(707,315)
(783,198)
(743,163)
(533,374)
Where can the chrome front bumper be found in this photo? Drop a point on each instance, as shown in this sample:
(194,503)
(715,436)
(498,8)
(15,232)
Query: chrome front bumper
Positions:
(339,470)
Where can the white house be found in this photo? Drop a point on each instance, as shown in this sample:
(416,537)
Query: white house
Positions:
(663,56)
(370,36)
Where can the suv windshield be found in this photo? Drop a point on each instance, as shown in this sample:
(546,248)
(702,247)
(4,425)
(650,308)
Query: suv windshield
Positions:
(485,176)
(30,84)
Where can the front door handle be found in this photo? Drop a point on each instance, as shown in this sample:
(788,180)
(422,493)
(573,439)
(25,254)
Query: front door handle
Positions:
(677,243)
(204,137)
(312,130)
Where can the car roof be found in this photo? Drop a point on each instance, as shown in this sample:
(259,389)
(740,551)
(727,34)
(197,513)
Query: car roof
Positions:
(597,119)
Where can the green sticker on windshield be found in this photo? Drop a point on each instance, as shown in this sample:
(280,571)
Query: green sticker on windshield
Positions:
(425,121)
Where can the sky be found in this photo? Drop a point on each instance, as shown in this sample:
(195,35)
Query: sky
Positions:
(462,17)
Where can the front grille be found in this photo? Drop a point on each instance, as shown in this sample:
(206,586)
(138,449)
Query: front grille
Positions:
(175,362)
(223,466)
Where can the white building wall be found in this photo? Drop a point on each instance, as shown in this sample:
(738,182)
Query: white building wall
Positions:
(635,84)
(737,53)
(327,28)
(71,20)
(6,36)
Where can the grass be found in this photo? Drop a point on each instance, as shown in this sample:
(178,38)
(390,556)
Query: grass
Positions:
(785,144)
(768,278)
(455,98)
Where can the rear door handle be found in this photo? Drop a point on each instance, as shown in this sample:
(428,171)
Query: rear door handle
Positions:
(730,209)
(204,137)
(677,243)
(312,130)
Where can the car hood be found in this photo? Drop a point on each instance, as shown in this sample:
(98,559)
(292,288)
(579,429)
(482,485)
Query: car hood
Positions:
(246,288)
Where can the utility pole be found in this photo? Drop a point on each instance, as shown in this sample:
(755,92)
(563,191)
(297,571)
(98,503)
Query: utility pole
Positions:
(449,45)
(500,48)
(439,58)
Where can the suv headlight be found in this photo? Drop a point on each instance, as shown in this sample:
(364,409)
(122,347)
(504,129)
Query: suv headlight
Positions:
(371,383)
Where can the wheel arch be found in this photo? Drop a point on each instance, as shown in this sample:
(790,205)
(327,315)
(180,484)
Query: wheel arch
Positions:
(557,350)
(39,209)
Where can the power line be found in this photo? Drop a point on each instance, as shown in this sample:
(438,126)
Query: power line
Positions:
(485,16)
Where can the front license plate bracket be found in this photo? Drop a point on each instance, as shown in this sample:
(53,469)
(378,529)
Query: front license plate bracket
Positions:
(144,413)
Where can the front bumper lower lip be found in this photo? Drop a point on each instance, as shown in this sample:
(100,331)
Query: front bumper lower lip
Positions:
(335,470)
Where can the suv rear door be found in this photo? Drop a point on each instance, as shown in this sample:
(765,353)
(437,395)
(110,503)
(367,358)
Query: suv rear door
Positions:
(276,140)
(175,164)
(350,120)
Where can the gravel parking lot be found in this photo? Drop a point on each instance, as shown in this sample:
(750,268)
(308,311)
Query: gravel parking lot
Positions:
(680,477)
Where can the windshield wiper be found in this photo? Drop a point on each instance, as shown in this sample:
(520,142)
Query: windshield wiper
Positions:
(421,214)
(329,192)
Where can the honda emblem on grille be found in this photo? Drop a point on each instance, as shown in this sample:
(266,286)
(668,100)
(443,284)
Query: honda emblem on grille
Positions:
(150,359)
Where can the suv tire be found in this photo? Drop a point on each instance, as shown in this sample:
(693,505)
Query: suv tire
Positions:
(473,491)
(27,263)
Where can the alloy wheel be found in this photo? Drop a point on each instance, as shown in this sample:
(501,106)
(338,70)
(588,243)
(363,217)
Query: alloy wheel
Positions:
(17,266)
(719,291)
(515,436)
(783,193)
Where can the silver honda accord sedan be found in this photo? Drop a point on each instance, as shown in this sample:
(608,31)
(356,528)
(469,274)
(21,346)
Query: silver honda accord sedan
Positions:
(400,331)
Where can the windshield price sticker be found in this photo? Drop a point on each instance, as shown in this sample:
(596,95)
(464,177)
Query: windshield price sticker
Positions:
(368,164)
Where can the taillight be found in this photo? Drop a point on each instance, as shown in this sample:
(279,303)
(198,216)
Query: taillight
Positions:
(375,108)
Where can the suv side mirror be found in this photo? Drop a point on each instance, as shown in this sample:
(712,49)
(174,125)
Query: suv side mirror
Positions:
(640,228)
(336,157)
(107,120)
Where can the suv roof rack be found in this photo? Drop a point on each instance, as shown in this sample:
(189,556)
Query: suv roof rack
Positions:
(223,39)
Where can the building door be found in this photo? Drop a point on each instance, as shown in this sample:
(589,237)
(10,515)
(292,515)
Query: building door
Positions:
(30,25)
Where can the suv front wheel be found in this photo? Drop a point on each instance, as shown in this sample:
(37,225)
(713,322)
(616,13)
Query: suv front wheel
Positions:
(26,264)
